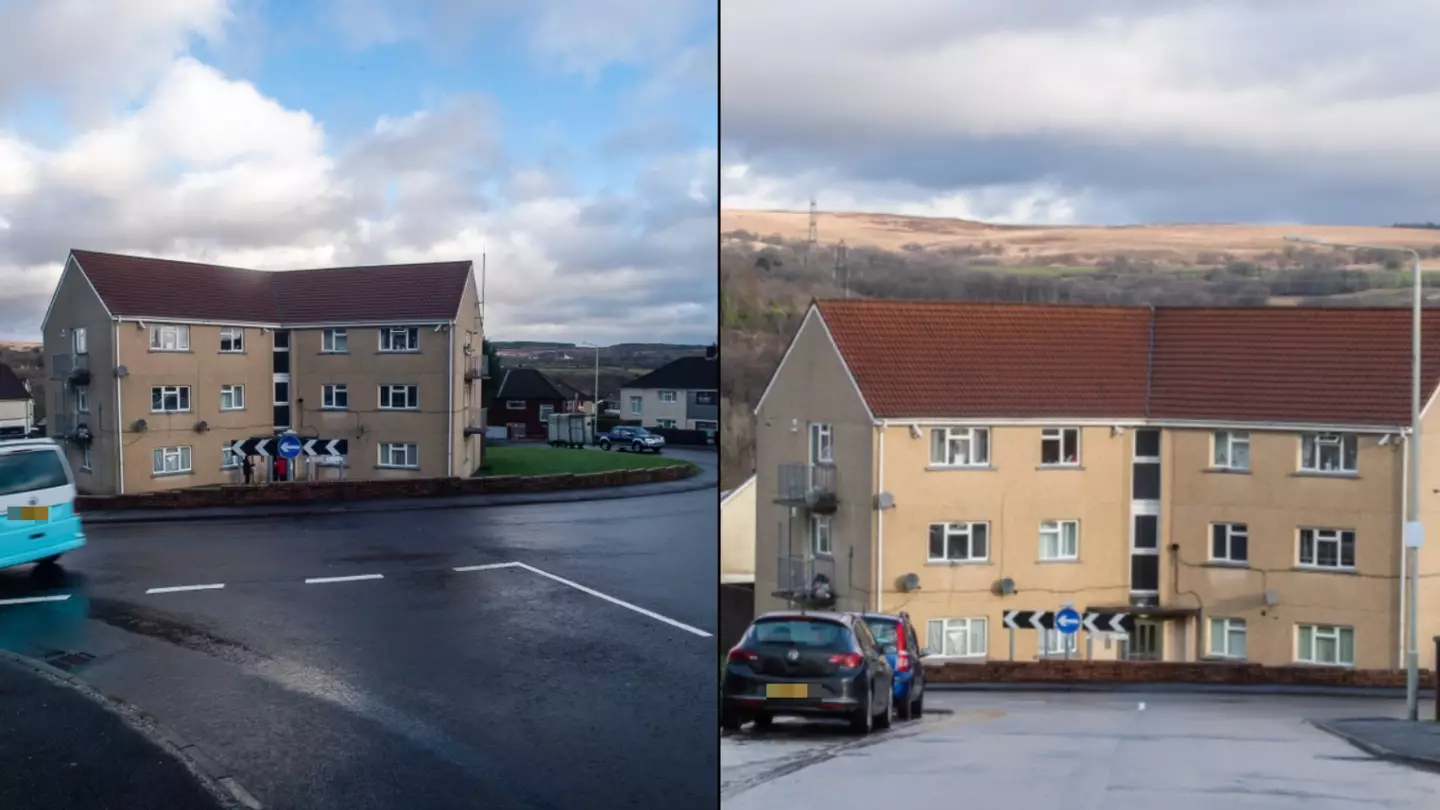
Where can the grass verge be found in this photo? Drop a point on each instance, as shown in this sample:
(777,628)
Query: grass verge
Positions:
(512,459)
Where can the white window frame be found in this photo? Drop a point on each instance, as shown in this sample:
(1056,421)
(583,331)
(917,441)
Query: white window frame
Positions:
(237,397)
(1325,536)
(822,540)
(546,410)
(85,461)
(228,459)
(637,404)
(160,459)
(669,396)
(410,339)
(330,393)
(1056,529)
(78,341)
(386,456)
(178,335)
(82,399)
(236,336)
(405,389)
(1232,531)
(977,629)
(665,423)
(822,443)
(1223,445)
(1222,632)
(1057,435)
(946,445)
(959,532)
(180,392)
(1329,632)
(514,404)
(1055,644)
(1312,453)
(335,341)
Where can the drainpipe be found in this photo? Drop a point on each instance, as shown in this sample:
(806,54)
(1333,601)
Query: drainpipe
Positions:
(119,411)
(450,409)
(880,530)
(1404,557)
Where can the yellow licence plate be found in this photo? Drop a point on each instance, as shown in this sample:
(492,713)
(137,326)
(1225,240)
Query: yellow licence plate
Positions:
(787,690)
(28,513)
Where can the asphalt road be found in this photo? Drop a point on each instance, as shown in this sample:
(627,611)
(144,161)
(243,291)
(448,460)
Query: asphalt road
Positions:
(571,666)
(1076,751)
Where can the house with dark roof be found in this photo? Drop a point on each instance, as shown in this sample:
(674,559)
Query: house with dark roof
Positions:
(683,394)
(524,401)
(1229,481)
(17,407)
(190,359)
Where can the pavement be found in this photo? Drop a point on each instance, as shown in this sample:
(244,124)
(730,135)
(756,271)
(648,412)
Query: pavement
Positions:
(107,754)
(707,479)
(1048,750)
(1391,738)
(535,656)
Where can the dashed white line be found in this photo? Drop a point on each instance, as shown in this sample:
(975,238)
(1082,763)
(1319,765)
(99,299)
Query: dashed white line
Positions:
(612,600)
(178,588)
(32,599)
(487,567)
(357,578)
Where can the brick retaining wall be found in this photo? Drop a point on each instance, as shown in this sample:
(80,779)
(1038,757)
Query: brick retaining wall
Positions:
(261,494)
(1239,674)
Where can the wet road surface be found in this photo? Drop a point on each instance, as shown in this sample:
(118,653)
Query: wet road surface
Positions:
(582,676)
(1069,751)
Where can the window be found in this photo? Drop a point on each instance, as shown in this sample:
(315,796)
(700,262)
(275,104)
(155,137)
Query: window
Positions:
(335,397)
(85,457)
(82,399)
(960,447)
(335,341)
(400,339)
(547,410)
(1324,644)
(399,455)
(169,338)
(228,459)
(169,398)
(1227,638)
(1327,548)
(171,460)
(232,397)
(665,423)
(1232,450)
(232,339)
(79,340)
(703,425)
(706,398)
(1058,643)
(668,396)
(1327,452)
(959,542)
(514,404)
(956,638)
(1060,446)
(635,404)
(820,535)
(1229,542)
(822,443)
(1060,540)
(399,397)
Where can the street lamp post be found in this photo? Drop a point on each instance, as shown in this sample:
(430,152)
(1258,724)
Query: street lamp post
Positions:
(595,393)
(1414,532)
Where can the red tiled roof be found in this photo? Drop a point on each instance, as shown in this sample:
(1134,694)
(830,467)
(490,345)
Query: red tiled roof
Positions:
(1244,364)
(161,288)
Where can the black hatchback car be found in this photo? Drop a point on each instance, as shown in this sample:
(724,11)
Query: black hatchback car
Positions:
(803,664)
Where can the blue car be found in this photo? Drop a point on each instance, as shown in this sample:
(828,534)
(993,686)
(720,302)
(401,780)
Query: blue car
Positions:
(901,643)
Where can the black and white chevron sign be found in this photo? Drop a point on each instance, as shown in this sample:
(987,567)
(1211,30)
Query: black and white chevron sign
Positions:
(266,447)
(1029,620)
(1108,623)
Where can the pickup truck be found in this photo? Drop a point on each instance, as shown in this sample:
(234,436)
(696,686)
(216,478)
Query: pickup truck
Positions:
(636,439)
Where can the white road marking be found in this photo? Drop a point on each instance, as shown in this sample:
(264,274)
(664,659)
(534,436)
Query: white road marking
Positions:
(320,580)
(487,567)
(622,603)
(178,588)
(31,599)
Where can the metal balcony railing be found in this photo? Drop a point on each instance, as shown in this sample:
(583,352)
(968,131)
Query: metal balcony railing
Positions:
(806,579)
(61,425)
(61,365)
(811,486)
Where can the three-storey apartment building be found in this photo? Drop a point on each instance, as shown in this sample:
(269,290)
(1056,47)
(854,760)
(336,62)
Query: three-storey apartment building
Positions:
(1232,476)
(160,366)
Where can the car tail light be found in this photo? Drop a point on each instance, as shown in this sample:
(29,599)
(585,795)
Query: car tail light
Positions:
(848,660)
(902,656)
(742,656)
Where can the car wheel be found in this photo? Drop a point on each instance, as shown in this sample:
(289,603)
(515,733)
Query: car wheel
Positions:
(863,722)
(729,720)
(763,721)
(883,719)
(604,444)
(906,709)
(637,448)
(919,706)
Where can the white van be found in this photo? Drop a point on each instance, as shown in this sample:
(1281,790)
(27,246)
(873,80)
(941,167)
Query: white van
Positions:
(35,477)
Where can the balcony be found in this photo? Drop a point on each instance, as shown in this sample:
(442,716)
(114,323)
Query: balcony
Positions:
(477,367)
(810,486)
(476,427)
(806,580)
(73,368)
(69,427)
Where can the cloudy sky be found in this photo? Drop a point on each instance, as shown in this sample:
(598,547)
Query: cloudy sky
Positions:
(574,141)
(1085,111)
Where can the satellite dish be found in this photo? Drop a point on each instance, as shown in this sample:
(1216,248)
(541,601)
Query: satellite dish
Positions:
(1005,587)
(140,425)
(121,371)
(910,582)
(202,426)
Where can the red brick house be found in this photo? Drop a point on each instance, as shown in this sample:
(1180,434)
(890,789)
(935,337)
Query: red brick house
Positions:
(524,401)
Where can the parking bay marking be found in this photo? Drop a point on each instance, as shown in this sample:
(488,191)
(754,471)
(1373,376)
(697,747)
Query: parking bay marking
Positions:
(179,588)
(583,589)
(27,600)
(356,578)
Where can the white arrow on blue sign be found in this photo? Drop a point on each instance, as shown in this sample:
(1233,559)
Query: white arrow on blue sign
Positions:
(1067,621)
(289,446)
